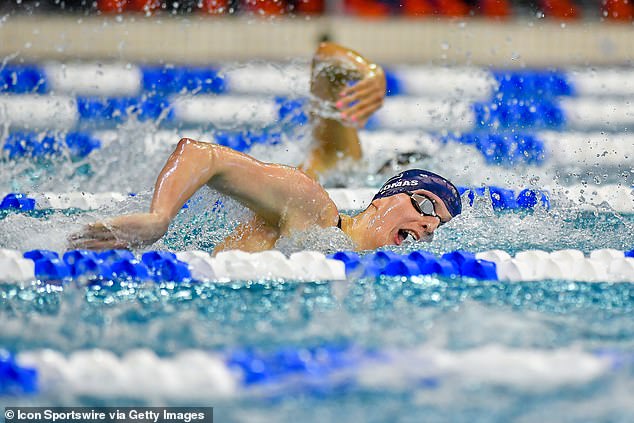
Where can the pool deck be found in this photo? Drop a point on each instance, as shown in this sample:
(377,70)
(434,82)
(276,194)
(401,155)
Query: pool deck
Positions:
(199,39)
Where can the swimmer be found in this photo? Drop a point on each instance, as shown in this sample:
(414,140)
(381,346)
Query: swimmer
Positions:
(286,199)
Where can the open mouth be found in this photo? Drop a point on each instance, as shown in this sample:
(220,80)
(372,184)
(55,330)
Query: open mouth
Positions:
(403,234)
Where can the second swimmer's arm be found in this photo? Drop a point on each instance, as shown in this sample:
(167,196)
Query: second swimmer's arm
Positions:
(333,66)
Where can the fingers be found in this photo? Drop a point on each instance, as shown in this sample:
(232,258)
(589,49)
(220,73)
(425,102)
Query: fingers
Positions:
(96,236)
(363,84)
(360,112)
(93,244)
(358,102)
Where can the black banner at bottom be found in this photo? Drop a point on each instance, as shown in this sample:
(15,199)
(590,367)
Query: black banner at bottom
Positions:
(109,414)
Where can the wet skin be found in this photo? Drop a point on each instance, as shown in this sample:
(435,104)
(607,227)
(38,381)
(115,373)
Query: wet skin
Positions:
(283,199)
(389,220)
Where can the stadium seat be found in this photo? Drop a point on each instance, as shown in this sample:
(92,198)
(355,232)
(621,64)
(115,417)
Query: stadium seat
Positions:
(215,7)
(560,9)
(310,7)
(452,8)
(417,8)
(495,8)
(617,10)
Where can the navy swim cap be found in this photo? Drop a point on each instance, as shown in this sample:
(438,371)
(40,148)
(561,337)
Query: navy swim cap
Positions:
(415,179)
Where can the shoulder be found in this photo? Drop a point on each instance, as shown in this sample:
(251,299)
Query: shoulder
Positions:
(314,203)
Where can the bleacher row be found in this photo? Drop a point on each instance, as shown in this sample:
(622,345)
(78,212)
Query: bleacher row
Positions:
(619,10)
(605,265)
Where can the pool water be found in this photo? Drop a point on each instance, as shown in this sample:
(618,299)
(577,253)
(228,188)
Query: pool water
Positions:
(375,349)
(411,322)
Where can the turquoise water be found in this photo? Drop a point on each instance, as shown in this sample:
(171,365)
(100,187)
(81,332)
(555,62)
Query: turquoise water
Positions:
(419,348)
(415,321)
(448,315)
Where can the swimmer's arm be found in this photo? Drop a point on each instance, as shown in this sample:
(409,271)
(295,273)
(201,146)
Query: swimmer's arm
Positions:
(334,141)
(278,194)
(360,100)
(284,197)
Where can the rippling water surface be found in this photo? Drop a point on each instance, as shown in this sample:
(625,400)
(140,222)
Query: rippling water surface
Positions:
(423,348)
(405,318)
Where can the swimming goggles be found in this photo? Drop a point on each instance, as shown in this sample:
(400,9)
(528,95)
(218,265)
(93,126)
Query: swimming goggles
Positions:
(424,205)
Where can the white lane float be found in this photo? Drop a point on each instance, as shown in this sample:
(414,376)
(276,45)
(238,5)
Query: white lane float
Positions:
(603,265)
(38,112)
(195,375)
(94,79)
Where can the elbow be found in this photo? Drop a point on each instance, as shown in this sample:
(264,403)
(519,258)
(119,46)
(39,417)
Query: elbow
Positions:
(200,157)
(199,151)
(186,144)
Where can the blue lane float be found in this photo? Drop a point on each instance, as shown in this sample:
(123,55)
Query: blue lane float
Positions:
(120,109)
(23,79)
(518,99)
(35,145)
(259,368)
(604,265)
(181,79)
(533,83)
(504,148)
(169,79)
(16,201)
(540,113)
(79,145)
(324,370)
(164,266)
(16,380)
(507,199)
(417,263)
(501,199)
(110,264)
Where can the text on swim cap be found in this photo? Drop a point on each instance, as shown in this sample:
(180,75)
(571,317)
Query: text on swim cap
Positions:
(398,184)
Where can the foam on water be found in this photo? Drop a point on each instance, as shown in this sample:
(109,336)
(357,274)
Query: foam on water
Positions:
(210,217)
(443,348)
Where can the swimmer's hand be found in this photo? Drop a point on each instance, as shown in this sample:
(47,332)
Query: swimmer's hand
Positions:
(134,230)
(359,101)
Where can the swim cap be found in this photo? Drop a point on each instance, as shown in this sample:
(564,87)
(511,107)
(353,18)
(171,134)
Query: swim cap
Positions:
(415,179)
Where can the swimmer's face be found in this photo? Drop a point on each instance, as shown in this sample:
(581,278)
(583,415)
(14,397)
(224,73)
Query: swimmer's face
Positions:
(398,219)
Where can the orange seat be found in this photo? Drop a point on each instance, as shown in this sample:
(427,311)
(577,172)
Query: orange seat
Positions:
(617,10)
(215,7)
(417,8)
(111,6)
(265,7)
(146,6)
(452,8)
(560,9)
(367,8)
(310,7)
(495,8)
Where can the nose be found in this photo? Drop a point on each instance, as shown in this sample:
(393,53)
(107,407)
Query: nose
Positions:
(429,225)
